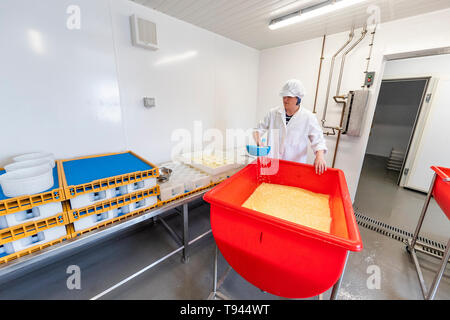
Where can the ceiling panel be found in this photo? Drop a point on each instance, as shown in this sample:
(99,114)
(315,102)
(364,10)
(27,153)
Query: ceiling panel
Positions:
(246,21)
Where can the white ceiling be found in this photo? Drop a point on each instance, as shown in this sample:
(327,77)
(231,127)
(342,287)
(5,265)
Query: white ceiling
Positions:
(246,21)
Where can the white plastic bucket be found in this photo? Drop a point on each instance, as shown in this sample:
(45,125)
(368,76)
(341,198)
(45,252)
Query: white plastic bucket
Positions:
(35,156)
(27,164)
(27,181)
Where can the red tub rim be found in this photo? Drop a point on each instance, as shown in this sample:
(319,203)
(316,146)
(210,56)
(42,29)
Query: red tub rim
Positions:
(439,172)
(353,243)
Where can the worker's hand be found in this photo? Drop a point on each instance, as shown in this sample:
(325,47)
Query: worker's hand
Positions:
(257,138)
(319,163)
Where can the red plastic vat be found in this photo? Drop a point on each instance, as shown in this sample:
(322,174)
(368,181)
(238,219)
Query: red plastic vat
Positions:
(278,256)
(441,189)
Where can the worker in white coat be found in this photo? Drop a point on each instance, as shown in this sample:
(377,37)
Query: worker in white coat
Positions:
(297,127)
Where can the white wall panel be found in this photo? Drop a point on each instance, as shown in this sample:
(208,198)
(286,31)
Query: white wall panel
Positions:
(59,89)
(196,75)
(235,85)
(79,92)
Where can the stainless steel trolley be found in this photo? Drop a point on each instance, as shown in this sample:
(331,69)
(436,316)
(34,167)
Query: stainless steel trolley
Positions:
(440,190)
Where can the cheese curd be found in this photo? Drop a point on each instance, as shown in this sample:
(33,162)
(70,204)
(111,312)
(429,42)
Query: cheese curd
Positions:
(292,204)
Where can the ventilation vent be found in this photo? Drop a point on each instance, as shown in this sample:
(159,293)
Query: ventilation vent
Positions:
(143,33)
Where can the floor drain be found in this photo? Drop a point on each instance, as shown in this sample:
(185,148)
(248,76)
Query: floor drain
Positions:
(433,247)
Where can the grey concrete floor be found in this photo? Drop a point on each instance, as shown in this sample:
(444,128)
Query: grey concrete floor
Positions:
(378,196)
(105,264)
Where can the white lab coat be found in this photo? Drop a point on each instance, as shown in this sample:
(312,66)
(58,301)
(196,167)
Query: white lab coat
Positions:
(290,142)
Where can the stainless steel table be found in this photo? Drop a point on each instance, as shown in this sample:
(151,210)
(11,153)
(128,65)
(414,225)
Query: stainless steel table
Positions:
(45,256)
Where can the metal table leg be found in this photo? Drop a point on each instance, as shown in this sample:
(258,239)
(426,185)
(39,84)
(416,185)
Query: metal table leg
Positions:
(412,242)
(428,295)
(438,277)
(337,286)
(412,251)
(215,271)
(216,294)
(217,283)
(174,235)
(185,234)
(149,266)
(422,215)
(212,295)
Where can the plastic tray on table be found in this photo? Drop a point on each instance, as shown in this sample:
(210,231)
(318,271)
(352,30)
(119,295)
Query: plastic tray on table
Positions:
(102,172)
(191,159)
(275,255)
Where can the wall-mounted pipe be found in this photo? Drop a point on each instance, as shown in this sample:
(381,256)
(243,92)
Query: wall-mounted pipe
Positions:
(330,77)
(320,70)
(370,52)
(344,107)
(342,97)
(363,34)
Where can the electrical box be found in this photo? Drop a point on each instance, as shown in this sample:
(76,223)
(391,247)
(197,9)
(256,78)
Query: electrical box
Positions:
(355,112)
(370,77)
(149,102)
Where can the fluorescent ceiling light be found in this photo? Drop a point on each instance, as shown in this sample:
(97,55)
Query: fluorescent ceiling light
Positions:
(311,12)
(291,6)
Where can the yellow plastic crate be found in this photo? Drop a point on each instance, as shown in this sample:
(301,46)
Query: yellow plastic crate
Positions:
(30,228)
(31,250)
(114,220)
(111,204)
(106,183)
(189,193)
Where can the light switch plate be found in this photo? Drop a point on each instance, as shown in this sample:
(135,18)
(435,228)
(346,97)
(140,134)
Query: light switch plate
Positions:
(149,102)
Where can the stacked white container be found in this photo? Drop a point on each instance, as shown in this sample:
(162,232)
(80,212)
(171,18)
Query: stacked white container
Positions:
(182,180)
(88,199)
(30,174)
(33,214)
(39,238)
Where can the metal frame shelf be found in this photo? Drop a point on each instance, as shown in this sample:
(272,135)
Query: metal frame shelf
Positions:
(55,248)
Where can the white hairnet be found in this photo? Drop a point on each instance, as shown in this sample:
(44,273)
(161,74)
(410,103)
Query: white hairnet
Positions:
(293,88)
